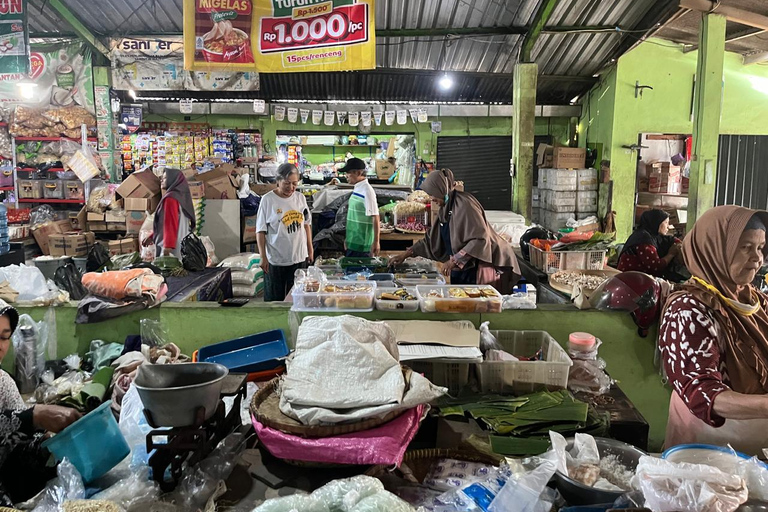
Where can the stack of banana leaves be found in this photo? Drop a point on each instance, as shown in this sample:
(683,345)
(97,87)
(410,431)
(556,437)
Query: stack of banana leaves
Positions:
(522,424)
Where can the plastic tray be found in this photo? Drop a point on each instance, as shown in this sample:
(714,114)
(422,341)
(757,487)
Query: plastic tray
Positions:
(525,376)
(53,189)
(30,189)
(454,376)
(249,354)
(74,189)
(448,304)
(351,301)
(428,279)
(397,305)
(554,261)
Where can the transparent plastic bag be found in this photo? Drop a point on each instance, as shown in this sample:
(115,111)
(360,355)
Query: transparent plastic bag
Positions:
(102,199)
(67,487)
(146,239)
(40,215)
(28,281)
(30,349)
(589,377)
(310,280)
(522,491)
(213,260)
(131,491)
(153,333)
(134,427)
(487,340)
(683,487)
(755,473)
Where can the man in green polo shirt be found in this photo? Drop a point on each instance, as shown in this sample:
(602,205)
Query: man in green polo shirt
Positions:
(363,225)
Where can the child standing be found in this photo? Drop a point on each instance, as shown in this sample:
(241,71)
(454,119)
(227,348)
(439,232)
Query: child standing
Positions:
(363,224)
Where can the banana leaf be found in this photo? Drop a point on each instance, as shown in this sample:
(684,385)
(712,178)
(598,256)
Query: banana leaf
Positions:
(519,446)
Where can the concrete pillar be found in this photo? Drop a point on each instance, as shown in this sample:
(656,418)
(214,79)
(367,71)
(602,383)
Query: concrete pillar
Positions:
(523,129)
(708,96)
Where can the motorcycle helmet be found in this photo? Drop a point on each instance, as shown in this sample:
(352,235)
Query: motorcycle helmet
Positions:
(636,292)
(532,234)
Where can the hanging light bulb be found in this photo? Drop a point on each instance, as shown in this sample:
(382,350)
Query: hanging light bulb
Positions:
(132,93)
(446,82)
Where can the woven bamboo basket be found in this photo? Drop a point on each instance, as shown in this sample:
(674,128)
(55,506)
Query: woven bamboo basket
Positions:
(265,407)
(417,463)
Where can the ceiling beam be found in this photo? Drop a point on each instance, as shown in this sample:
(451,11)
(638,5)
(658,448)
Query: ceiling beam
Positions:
(738,36)
(755,58)
(658,14)
(79,28)
(481,75)
(540,19)
(735,14)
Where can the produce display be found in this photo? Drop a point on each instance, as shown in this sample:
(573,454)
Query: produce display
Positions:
(459,299)
(571,278)
(401,299)
(312,294)
(419,196)
(399,294)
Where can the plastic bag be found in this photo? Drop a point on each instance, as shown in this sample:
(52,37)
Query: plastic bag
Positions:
(449,474)
(522,491)
(487,340)
(249,206)
(309,280)
(194,257)
(131,491)
(587,374)
(67,487)
(124,261)
(755,473)
(29,282)
(102,199)
(40,215)
(80,159)
(147,233)
(152,332)
(134,427)
(69,278)
(243,261)
(30,349)
(683,487)
(210,249)
(98,258)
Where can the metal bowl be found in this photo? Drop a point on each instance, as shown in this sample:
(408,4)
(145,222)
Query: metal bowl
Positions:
(180,395)
(753,506)
(576,493)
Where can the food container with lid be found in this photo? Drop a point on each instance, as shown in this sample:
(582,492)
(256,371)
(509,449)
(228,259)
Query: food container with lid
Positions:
(581,342)
(459,299)
(30,189)
(74,189)
(6,177)
(386,301)
(350,296)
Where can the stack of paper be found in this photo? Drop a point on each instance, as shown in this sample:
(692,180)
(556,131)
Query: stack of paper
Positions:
(449,342)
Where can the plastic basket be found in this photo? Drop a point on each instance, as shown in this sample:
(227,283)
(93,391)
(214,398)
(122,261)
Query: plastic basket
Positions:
(422,218)
(249,354)
(454,376)
(520,377)
(554,261)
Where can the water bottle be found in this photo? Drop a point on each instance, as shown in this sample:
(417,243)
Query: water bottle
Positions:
(5,242)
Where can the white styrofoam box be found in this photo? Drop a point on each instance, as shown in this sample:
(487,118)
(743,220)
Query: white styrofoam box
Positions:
(557,179)
(587,179)
(535,197)
(555,220)
(558,201)
(586,201)
(536,216)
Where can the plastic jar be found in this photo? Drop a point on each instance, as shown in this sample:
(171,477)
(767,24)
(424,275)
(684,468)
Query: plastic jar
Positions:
(581,342)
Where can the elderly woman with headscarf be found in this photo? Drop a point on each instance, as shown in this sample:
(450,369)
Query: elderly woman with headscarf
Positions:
(649,249)
(470,250)
(175,215)
(23,471)
(713,336)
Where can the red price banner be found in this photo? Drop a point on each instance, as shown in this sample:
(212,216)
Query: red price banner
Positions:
(343,25)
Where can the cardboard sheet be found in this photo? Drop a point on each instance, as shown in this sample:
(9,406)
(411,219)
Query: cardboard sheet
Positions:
(454,334)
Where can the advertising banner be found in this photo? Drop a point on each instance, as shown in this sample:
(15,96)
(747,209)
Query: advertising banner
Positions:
(130,118)
(152,64)
(279,36)
(14,38)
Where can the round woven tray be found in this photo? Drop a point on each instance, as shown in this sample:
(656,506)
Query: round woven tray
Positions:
(265,407)
(417,463)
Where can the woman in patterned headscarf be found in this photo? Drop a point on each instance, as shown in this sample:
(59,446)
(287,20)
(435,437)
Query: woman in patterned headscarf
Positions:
(714,335)
(470,250)
(23,471)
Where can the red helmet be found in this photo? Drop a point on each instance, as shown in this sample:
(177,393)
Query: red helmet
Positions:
(636,292)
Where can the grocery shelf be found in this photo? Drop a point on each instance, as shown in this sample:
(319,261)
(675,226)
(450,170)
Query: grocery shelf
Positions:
(334,145)
(52,201)
(5,189)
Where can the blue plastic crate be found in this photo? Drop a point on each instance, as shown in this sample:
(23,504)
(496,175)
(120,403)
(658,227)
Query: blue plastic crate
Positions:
(249,354)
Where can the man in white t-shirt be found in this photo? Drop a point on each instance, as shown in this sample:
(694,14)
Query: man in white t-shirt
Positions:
(284,234)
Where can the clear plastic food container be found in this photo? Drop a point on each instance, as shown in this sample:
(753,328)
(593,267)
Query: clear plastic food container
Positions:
(459,299)
(418,279)
(349,296)
(384,304)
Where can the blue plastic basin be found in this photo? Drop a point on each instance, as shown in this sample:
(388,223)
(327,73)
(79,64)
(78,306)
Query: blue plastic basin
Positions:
(93,444)
(249,354)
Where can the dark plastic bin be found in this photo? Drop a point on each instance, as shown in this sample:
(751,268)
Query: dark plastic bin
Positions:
(254,353)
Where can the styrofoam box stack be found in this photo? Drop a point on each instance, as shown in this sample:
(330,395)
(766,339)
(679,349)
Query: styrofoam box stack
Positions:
(558,179)
(586,180)
(558,201)
(586,187)
(536,215)
(535,197)
(555,220)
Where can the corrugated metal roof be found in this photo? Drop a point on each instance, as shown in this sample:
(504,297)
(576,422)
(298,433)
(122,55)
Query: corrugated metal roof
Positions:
(569,54)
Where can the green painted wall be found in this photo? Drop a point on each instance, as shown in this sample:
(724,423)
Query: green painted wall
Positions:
(665,109)
(558,127)
(629,357)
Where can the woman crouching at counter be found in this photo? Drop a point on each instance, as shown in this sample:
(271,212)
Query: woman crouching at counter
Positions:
(714,335)
(470,250)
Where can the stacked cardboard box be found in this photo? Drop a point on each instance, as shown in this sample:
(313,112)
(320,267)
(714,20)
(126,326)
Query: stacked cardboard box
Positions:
(123,246)
(71,244)
(221,182)
(141,195)
(663,178)
(42,233)
(551,157)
